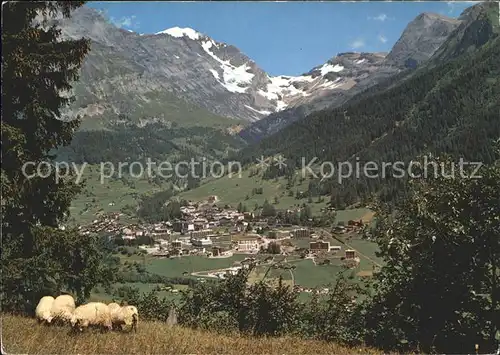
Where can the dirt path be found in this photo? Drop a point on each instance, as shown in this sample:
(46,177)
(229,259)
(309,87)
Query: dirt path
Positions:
(368,217)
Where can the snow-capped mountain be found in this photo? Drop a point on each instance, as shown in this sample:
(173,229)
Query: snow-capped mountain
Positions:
(133,74)
(327,85)
(349,74)
(127,72)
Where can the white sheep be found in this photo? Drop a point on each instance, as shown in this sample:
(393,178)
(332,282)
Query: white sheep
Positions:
(62,309)
(127,315)
(42,311)
(92,313)
(114,308)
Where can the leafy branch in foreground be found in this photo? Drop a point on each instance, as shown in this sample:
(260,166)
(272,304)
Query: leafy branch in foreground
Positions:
(440,289)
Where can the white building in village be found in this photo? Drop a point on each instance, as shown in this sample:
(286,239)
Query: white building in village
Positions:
(248,245)
(202,242)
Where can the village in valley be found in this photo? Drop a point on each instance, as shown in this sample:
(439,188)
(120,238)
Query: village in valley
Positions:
(221,240)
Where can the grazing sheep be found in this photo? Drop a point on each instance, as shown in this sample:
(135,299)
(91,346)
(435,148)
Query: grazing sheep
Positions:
(113,306)
(62,309)
(127,315)
(42,311)
(92,313)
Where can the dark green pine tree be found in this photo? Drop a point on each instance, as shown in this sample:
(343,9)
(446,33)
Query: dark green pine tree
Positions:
(37,70)
(268,210)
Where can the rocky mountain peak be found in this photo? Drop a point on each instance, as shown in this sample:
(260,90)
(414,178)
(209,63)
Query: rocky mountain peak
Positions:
(178,32)
(192,66)
(421,38)
(478,24)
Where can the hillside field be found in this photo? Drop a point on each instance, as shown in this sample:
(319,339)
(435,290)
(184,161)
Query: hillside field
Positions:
(22,335)
(306,273)
(123,195)
(236,189)
(110,196)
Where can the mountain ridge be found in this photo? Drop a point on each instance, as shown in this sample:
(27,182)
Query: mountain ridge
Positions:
(448,108)
(143,78)
(417,43)
(189,64)
(199,70)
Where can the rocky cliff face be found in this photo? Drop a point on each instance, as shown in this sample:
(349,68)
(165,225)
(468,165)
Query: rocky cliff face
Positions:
(421,38)
(478,24)
(127,73)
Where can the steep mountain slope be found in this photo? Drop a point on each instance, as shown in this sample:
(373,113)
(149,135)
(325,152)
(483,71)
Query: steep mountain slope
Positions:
(421,38)
(131,74)
(478,25)
(450,108)
(126,72)
(418,42)
(350,74)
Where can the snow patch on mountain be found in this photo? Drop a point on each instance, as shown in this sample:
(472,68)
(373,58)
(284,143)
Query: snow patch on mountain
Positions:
(331,84)
(327,68)
(215,74)
(302,78)
(235,79)
(281,88)
(181,32)
(262,112)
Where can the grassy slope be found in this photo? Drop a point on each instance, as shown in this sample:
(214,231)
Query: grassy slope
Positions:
(235,189)
(232,190)
(84,209)
(24,335)
(229,191)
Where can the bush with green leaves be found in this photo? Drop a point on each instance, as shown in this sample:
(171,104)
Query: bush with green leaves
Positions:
(440,288)
(270,310)
(335,317)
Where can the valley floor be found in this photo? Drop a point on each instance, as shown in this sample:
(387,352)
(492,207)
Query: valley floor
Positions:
(24,335)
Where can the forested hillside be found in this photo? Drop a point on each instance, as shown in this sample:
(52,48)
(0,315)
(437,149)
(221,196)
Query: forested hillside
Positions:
(154,141)
(451,108)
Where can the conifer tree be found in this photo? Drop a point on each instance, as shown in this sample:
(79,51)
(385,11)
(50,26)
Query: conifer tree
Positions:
(38,68)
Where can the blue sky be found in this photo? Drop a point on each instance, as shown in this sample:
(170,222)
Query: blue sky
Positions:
(283,38)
